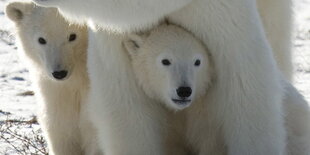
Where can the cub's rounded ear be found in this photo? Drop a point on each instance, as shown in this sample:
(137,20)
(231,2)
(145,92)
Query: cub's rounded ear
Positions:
(133,42)
(16,11)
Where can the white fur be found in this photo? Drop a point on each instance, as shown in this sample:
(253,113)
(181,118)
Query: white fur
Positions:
(201,120)
(247,92)
(61,102)
(175,44)
(297,120)
(161,82)
(275,15)
(127,121)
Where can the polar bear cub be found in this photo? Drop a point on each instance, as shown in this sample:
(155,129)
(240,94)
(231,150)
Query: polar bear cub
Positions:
(171,65)
(174,68)
(56,53)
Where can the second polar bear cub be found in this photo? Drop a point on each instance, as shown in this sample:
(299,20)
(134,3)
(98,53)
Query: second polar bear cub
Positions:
(171,59)
(56,52)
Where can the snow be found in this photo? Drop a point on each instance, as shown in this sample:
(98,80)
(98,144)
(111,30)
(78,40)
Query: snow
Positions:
(14,77)
(13,74)
(14,80)
(301,48)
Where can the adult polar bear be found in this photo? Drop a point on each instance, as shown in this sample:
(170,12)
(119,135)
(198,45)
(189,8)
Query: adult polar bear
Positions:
(248,83)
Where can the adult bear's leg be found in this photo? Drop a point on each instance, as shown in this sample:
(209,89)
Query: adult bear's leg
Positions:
(248,87)
(297,120)
(126,121)
(277,20)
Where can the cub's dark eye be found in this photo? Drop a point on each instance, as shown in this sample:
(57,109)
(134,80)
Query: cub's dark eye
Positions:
(42,41)
(197,63)
(166,62)
(72,37)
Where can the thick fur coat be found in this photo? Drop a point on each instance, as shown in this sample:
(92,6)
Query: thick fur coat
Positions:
(56,53)
(240,34)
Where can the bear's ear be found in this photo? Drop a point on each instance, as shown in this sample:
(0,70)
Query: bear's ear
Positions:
(133,43)
(16,11)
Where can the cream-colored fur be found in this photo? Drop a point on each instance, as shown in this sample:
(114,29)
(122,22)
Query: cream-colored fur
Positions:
(247,90)
(189,67)
(276,16)
(297,120)
(60,101)
(202,122)
(181,50)
(199,121)
(127,121)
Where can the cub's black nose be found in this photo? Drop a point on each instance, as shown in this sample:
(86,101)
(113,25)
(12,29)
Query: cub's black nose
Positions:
(184,92)
(60,74)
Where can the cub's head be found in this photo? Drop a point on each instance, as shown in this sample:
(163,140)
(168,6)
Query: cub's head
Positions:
(51,43)
(170,64)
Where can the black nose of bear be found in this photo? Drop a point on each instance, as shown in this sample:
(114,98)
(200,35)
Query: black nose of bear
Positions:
(184,92)
(60,74)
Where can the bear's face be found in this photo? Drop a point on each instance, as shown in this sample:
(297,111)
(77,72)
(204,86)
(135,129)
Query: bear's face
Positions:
(171,65)
(51,43)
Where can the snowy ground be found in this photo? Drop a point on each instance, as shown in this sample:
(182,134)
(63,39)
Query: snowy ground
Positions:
(301,49)
(14,81)
(13,74)
(14,77)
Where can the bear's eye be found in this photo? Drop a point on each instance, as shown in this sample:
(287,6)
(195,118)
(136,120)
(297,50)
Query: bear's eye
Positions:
(72,37)
(166,62)
(197,63)
(42,41)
